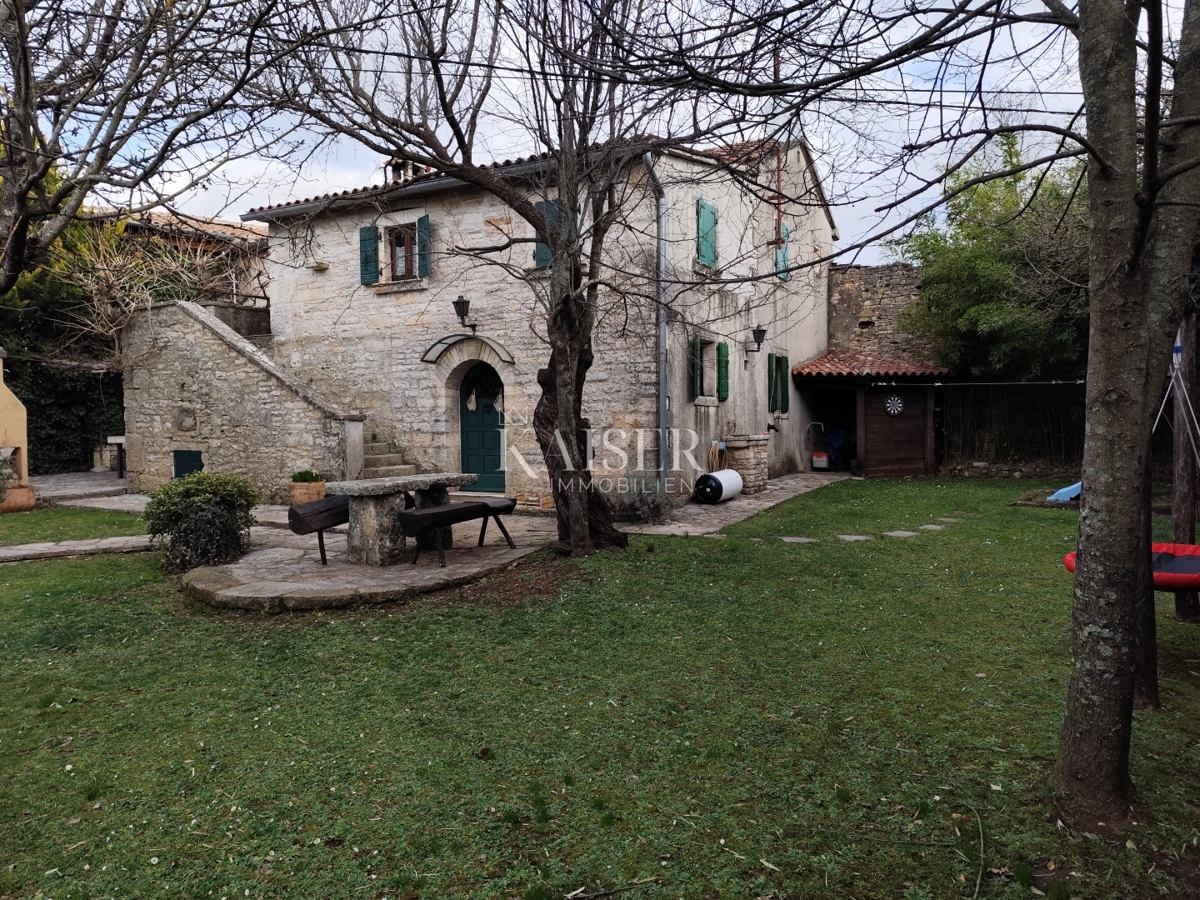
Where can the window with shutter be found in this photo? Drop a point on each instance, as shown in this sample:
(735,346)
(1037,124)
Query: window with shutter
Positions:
(706,233)
(368,254)
(696,367)
(785,377)
(424,247)
(772,384)
(781,254)
(542,254)
(722,371)
(403,243)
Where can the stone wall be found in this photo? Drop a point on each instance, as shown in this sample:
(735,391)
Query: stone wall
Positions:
(371,343)
(192,383)
(865,303)
(747,455)
(1035,468)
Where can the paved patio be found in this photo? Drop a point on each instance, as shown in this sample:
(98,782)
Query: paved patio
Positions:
(283,571)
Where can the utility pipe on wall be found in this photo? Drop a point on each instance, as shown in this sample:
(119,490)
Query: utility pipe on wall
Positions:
(660,293)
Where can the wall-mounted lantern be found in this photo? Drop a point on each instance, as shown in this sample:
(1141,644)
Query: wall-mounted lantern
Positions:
(462,309)
(759,334)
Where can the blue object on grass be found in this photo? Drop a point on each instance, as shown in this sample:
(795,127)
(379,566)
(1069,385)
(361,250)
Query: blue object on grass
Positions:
(1067,493)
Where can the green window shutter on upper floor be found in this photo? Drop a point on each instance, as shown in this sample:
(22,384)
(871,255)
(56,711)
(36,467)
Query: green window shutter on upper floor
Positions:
(722,371)
(781,254)
(542,254)
(706,233)
(424,247)
(772,384)
(368,254)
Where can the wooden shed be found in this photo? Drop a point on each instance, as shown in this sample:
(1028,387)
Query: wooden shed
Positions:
(873,415)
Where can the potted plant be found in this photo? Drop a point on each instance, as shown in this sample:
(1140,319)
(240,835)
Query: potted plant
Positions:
(307,486)
(13,497)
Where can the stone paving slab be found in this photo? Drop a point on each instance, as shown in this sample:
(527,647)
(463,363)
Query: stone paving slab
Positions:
(800,540)
(53,489)
(933,528)
(901,534)
(855,537)
(130,503)
(283,571)
(53,550)
(701,518)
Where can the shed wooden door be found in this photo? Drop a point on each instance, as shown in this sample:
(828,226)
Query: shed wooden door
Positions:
(898,423)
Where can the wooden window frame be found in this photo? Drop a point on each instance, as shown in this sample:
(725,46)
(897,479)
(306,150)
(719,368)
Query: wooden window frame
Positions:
(402,240)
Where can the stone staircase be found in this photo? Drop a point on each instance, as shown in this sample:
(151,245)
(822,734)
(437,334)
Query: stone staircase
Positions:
(383,460)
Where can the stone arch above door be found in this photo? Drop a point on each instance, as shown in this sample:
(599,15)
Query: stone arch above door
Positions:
(467,346)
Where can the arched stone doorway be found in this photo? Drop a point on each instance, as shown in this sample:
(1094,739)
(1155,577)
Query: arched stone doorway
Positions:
(481,421)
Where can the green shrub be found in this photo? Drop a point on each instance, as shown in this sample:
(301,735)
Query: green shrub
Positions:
(305,476)
(205,517)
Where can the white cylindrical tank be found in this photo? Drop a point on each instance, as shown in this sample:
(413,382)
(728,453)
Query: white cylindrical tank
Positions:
(717,487)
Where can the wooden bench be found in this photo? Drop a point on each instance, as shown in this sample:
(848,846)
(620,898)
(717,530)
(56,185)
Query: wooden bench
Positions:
(416,522)
(305,518)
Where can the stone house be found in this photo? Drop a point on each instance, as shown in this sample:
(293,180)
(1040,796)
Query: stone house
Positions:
(369,370)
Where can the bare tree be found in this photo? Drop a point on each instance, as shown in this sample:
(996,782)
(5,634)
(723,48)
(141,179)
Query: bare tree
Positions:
(434,85)
(138,100)
(120,273)
(1112,83)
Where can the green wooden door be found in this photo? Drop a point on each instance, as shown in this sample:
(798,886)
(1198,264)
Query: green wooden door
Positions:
(480,415)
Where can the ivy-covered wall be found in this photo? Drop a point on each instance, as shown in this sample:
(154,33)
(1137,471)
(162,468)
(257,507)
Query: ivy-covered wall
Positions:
(71,410)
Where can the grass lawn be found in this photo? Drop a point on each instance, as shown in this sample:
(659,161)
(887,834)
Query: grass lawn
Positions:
(695,718)
(62,523)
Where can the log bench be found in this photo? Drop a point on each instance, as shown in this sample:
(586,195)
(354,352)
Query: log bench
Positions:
(416,522)
(305,518)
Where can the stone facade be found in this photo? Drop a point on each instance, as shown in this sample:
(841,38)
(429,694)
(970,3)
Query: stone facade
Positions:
(396,352)
(192,383)
(865,303)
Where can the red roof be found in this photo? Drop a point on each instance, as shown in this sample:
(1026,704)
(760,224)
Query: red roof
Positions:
(847,363)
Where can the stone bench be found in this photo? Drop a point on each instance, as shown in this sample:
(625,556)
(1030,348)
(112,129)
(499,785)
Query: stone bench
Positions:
(416,522)
(305,518)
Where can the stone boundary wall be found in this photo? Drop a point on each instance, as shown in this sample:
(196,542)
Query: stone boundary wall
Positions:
(1031,469)
(865,303)
(192,383)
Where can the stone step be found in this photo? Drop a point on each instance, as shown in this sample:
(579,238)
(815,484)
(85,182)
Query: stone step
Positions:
(388,471)
(378,461)
(468,496)
(371,448)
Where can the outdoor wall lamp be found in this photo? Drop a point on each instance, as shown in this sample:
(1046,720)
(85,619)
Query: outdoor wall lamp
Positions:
(462,309)
(759,334)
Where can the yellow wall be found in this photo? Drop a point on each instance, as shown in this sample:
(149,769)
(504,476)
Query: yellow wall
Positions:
(12,427)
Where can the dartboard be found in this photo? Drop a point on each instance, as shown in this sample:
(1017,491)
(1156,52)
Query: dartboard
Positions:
(894,405)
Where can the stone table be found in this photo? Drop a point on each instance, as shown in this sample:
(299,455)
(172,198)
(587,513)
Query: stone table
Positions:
(375,538)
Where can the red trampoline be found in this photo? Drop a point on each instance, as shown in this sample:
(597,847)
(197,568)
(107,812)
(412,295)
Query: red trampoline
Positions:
(1176,566)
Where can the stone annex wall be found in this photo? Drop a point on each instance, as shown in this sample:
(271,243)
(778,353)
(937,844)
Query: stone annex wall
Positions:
(192,383)
(865,303)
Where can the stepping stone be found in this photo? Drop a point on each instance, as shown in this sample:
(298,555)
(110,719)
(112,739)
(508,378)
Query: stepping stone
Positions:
(946,519)
(800,540)
(933,527)
(854,537)
(900,534)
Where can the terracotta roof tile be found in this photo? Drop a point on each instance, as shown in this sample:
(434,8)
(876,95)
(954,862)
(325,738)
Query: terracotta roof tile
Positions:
(843,363)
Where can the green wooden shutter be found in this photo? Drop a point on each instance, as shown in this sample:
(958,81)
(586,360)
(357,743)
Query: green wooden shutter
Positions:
(696,367)
(722,371)
(706,233)
(772,384)
(785,375)
(781,254)
(368,254)
(542,254)
(424,247)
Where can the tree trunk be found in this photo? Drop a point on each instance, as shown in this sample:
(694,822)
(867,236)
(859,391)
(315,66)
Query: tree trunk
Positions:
(1183,501)
(584,515)
(1145,626)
